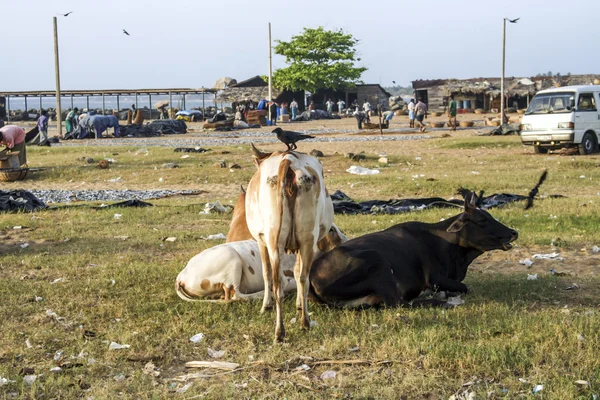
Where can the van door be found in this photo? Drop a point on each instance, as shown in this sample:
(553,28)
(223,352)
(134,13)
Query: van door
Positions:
(586,115)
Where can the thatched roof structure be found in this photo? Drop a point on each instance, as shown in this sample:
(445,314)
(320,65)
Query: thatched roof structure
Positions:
(224,82)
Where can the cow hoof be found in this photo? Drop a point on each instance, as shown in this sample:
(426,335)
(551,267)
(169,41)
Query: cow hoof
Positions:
(279,336)
(264,309)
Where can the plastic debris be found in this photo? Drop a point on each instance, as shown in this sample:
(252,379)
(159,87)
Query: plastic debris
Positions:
(117,179)
(582,382)
(526,262)
(117,346)
(4,381)
(118,216)
(293,320)
(455,301)
(313,323)
(185,156)
(218,236)
(215,353)
(572,287)
(119,377)
(150,369)
(185,388)
(354,349)
(57,281)
(30,379)
(17,227)
(595,249)
(303,367)
(58,355)
(170,239)
(523,380)
(56,369)
(356,170)
(328,375)
(580,337)
(549,256)
(216,207)
(28,344)
(197,338)
(38,299)
(537,388)
(532,277)
(24,245)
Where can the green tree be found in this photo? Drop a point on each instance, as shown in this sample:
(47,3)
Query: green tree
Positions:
(318,59)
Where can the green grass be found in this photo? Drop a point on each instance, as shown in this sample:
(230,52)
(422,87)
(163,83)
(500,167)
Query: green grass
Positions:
(509,327)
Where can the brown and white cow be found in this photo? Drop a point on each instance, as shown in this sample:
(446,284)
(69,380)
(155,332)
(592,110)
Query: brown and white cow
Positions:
(288,209)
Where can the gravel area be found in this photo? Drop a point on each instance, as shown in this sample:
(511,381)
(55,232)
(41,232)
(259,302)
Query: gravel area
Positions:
(231,140)
(68,196)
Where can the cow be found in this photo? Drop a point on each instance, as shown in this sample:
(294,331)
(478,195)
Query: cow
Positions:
(238,228)
(288,209)
(233,271)
(394,266)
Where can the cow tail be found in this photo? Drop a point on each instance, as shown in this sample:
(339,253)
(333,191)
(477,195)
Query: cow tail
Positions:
(285,188)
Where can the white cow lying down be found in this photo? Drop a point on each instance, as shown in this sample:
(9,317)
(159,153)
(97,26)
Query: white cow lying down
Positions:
(233,271)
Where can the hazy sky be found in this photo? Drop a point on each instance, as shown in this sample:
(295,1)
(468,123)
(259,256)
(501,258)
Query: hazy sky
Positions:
(193,43)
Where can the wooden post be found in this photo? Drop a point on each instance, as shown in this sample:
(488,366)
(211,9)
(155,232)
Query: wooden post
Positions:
(103,103)
(203,107)
(150,105)
(379,113)
(118,104)
(57,76)
(184,102)
(40,104)
(270,67)
(170,106)
(26,109)
(136,100)
(7,108)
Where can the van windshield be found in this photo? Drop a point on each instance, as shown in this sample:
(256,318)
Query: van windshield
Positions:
(548,103)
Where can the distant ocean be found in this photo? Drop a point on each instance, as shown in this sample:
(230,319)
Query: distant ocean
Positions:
(110,102)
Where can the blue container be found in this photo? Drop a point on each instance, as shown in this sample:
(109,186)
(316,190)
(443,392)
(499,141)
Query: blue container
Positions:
(459,104)
(467,104)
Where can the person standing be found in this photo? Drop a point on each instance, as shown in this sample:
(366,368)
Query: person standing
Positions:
(367,108)
(452,113)
(411,113)
(341,104)
(330,105)
(13,137)
(71,121)
(42,124)
(294,108)
(420,114)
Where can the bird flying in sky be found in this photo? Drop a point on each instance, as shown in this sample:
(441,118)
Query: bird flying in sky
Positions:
(513,21)
(394,82)
(67,14)
(125,32)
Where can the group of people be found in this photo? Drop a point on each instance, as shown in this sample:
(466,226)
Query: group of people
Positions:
(418,111)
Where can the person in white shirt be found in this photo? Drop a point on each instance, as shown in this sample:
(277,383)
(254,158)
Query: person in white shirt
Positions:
(294,108)
(411,113)
(341,104)
(367,108)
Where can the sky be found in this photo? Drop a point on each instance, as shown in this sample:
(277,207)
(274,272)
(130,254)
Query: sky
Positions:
(191,44)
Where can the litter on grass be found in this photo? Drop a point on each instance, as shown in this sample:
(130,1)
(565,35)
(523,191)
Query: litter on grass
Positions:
(537,388)
(549,256)
(218,236)
(215,353)
(532,277)
(526,262)
(356,170)
(455,301)
(228,366)
(328,375)
(197,338)
(117,346)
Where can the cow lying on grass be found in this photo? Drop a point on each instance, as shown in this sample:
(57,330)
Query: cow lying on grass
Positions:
(233,270)
(394,266)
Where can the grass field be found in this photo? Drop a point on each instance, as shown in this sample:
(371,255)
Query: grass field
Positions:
(117,285)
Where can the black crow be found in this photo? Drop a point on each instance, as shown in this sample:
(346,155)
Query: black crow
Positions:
(290,138)
(125,32)
(67,14)
(513,21)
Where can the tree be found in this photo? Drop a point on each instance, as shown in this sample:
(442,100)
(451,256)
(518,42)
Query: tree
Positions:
(319,59)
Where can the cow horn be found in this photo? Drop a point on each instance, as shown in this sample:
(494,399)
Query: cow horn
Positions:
(259,154)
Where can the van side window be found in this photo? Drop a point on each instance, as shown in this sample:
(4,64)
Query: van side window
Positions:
(586,102)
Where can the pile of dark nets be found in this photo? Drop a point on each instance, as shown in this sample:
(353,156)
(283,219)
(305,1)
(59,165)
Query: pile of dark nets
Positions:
(19,200)
(155,128)
(342,204)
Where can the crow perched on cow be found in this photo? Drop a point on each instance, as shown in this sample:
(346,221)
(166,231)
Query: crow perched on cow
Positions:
(290,137)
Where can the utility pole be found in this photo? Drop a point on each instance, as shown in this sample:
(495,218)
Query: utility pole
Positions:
(512,21)
(57,75)
(502,77)
(270,67)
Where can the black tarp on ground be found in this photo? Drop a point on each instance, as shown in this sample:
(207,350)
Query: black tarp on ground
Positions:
(19,200)
(155,128)
(342,204)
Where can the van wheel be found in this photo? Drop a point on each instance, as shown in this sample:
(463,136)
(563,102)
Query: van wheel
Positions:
(540,150)
(588,144)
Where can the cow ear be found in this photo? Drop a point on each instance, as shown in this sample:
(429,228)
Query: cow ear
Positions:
(256,161)
(456,226)
(470,202)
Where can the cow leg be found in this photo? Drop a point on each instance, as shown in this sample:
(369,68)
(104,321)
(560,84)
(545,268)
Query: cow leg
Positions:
(449,285)
(266,269)
(278,294)
(301,273)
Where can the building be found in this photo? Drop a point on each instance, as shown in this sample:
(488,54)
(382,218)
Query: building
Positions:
(374,93)
(485,92)
(256,89)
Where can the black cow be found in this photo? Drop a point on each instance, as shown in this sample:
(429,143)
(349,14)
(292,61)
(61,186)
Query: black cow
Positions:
(394,266)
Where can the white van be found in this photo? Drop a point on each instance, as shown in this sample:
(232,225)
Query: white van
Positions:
(563,117)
